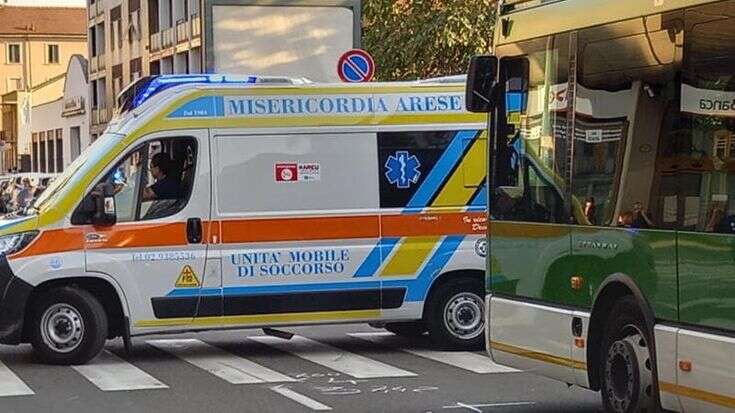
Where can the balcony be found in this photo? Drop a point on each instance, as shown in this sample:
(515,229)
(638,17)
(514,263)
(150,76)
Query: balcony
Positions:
(167,37)
(95,9)
(104,115)
(182,31)
(196,26)
(101,62)
(93,64)
(100,116)
(156,42)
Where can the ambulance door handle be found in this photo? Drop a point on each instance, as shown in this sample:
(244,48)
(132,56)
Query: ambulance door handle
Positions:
(194,230)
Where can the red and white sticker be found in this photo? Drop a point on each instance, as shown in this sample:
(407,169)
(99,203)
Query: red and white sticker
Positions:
(298,172)
(287,172)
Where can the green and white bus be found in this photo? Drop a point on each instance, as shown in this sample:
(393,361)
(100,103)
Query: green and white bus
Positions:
(611,240)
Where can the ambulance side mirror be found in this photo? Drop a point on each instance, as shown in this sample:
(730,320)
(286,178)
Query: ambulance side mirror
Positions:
(482,81)
(104,214)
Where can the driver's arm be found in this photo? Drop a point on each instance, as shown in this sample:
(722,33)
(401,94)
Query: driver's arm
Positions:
(148,194)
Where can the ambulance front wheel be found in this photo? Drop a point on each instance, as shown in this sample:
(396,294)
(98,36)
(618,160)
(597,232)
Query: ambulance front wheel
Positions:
(455,315)
(68,326)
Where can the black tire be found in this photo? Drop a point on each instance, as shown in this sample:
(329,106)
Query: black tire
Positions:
(466,296)
(626,376)
(77,316)
(407,329)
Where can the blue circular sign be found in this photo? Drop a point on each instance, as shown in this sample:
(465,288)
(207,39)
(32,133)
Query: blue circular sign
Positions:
(356,66)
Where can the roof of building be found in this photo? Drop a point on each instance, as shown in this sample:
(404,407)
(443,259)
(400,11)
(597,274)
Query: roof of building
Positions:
(43,20)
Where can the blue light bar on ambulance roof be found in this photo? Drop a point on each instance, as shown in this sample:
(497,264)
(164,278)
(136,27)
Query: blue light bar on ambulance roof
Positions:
(150,86)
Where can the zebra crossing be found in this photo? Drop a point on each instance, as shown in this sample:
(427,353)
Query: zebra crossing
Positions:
(112,373)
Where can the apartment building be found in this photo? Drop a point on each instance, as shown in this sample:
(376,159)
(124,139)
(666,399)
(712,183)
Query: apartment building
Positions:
(60,128)
(36,44)
(133,38)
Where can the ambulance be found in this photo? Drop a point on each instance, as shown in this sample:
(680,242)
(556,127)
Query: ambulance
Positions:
(225,202)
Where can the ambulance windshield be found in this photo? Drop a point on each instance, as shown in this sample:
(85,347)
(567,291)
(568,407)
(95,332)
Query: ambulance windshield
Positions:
(76,170)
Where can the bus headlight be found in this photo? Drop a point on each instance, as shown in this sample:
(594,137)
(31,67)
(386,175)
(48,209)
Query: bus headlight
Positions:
(10,244)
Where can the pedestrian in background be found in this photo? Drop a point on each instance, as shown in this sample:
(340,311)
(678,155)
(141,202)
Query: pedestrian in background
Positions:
(25,195)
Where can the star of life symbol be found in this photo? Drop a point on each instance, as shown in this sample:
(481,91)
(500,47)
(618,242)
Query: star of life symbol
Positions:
(402,169)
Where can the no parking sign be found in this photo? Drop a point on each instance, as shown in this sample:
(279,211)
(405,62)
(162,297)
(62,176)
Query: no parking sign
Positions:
(356,66)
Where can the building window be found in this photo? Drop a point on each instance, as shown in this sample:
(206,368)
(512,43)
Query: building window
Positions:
(42,152)
(59,151)
(50,154)
(136,67)
(34,139)
(52,53)
(112,36)
(13,53)
(14,83)
(75,142)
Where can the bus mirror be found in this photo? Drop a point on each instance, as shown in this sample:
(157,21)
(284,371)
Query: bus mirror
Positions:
(481,83)
(104,201)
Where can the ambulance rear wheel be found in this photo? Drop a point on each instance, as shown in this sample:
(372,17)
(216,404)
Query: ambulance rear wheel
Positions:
(68,326)
(455,315)
(407,329)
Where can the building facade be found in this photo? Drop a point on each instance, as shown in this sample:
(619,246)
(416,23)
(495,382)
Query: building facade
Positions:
(36,44)
(60,129)
(133,38)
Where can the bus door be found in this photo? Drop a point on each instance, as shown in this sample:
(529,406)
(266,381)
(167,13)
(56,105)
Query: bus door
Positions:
(530,234)
(157,248)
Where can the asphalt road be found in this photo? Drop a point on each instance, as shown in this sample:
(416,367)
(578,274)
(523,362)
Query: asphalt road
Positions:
(350,368)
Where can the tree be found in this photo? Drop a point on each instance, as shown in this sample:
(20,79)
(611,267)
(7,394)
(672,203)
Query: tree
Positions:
(412,39)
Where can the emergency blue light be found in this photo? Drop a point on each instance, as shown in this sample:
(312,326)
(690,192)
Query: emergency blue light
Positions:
(144,88)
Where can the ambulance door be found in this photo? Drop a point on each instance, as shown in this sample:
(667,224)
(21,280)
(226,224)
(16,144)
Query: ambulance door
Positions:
(298,222)
(157,249)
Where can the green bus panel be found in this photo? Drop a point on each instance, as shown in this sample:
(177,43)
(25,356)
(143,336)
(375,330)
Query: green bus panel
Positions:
(526,257)
(537,261)
(647,256)
(707,279)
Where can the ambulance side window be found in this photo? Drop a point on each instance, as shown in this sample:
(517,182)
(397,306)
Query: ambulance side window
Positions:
(153,181)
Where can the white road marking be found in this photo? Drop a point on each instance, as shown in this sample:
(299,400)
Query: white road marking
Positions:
(333,358)
(111,373)
(227,366)
(12,385)
(466,360)
(300,398)
(476,407)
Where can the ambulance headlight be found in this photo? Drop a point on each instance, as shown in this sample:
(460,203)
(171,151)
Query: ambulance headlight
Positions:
(10,244)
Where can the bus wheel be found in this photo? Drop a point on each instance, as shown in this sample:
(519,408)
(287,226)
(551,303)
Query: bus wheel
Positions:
(456,315)
(407,329)
(68,326)
(627,378)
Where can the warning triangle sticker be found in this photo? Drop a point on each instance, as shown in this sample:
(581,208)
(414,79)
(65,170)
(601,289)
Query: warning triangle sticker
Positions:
(187,278)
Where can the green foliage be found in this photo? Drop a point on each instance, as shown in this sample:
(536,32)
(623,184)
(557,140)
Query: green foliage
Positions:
(412,39)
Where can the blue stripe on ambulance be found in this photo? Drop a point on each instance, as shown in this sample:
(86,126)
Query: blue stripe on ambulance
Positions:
(440,172)
(479,203)
(376,257)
